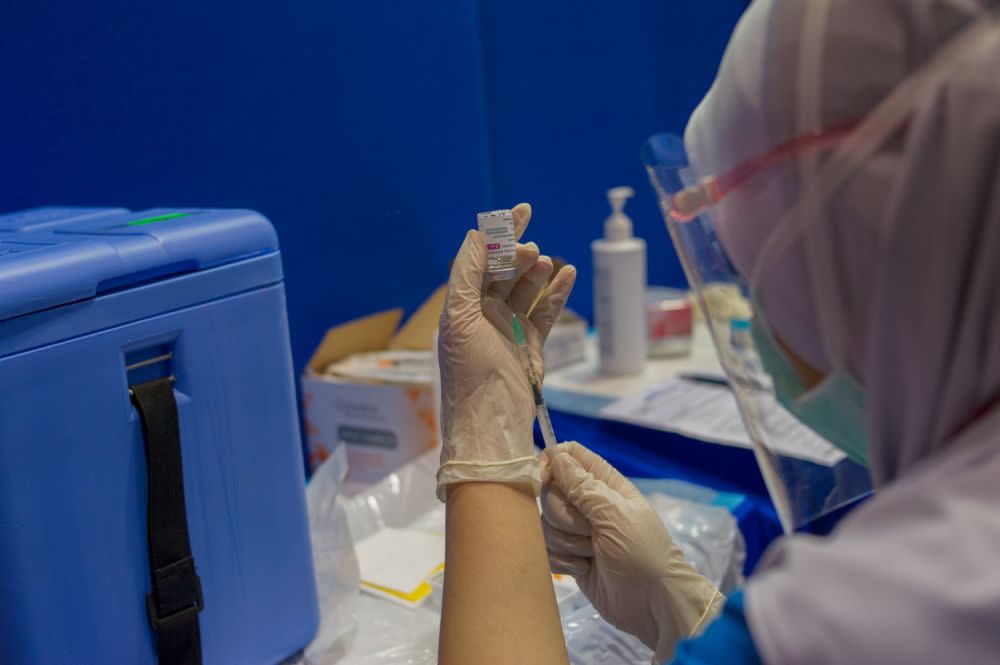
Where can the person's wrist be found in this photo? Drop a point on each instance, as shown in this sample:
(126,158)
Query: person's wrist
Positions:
(525,489)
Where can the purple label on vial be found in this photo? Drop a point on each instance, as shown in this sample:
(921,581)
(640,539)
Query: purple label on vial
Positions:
(493,246)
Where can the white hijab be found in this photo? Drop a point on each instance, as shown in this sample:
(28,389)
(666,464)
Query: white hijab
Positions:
(912,251)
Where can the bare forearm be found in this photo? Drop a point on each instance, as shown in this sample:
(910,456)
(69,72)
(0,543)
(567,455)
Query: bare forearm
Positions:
(499,606)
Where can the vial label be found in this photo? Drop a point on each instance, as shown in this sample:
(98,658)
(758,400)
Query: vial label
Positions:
(501,245)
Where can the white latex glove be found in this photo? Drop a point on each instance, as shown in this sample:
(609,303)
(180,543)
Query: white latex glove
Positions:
(601,530)
(487,411)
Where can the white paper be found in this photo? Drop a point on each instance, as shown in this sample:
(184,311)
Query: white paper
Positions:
(585,378)
(386,366)
(709,413)
(399,559)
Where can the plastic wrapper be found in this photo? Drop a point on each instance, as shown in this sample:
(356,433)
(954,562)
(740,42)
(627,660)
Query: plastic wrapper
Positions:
(590,640)
(357,629)
(401,499)
(337,574)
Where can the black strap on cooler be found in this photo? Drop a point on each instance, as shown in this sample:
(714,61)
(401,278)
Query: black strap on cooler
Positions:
(175,600)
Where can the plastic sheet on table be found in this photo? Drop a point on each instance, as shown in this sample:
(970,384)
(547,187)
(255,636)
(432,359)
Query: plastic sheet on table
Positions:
(362,630)
(590,640)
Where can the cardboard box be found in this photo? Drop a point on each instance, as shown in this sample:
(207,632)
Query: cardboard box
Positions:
(382,425)
(567,341)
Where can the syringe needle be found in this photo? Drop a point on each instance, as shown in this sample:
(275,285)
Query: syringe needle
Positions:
(524,351)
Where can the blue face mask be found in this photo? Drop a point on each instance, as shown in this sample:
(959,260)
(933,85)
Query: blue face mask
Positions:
(835,409)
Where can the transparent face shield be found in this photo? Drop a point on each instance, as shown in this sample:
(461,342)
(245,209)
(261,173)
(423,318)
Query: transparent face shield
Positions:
(805,474)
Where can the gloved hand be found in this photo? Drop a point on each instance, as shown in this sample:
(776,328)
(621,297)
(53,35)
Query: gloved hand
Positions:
(487,410)
(601,530)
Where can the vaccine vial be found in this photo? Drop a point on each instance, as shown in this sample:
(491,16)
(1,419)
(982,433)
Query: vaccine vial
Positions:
(497,228)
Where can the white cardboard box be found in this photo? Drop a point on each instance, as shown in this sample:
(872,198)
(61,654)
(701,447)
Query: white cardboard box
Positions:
(382,425)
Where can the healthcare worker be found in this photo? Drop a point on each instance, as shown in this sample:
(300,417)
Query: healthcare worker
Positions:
(847,179)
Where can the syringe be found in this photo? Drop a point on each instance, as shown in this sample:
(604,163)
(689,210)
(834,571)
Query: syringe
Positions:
(548,435)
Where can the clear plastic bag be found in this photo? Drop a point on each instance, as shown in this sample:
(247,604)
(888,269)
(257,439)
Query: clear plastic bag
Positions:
(390,634)
(404,498)
(357,629)
(337,574)
(590,640)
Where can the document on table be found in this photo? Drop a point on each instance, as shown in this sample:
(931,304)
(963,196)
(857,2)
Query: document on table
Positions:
(709,413)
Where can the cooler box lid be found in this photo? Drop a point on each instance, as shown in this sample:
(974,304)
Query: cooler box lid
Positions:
(53,256)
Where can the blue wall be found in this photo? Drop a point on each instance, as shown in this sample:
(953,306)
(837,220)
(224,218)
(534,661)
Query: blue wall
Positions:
(572,95)
(368,132)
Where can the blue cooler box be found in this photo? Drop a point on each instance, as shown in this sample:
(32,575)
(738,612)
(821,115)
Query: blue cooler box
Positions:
(190,296)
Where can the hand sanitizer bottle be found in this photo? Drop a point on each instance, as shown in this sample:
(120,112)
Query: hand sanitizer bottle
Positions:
(620,291)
